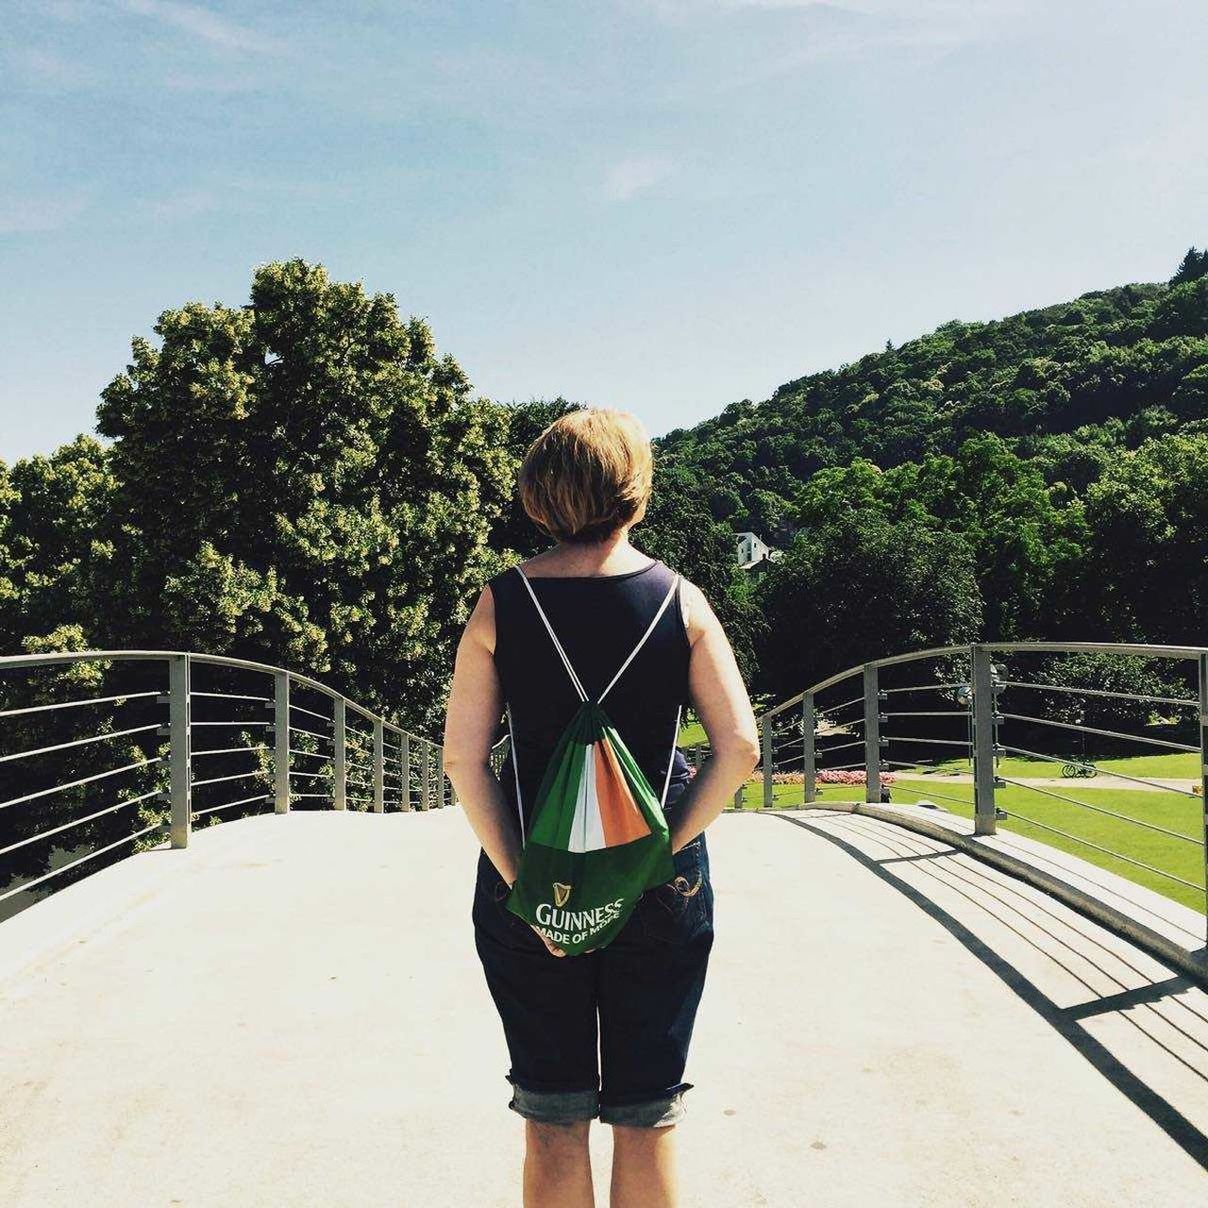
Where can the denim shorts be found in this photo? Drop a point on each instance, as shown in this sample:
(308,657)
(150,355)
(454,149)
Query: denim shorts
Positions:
(605,1033)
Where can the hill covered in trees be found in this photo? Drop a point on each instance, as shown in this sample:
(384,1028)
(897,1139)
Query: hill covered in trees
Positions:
(1044,475)
(1111,368)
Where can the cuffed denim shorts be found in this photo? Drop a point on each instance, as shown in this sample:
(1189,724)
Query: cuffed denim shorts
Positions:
(605,1033)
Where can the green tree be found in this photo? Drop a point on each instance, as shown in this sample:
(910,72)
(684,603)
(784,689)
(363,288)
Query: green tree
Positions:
(58,508)
(514,531)
(1192,267)
(1024,533)
(1181,311)
(1118,678)
(1145,574)
(863,587)
(11,617)
(302,480)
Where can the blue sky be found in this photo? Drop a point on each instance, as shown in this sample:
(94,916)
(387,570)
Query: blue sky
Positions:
(664,205)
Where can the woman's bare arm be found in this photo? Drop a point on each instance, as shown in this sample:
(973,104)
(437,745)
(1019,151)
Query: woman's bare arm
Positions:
(720,699)
(471,723)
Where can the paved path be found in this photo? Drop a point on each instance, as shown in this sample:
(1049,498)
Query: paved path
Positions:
(290,1013)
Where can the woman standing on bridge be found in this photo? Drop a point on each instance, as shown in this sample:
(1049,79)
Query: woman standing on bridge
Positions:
(604,1033)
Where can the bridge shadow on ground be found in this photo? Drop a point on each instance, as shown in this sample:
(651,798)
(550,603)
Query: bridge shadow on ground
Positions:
(1165,1014)
(290,1012)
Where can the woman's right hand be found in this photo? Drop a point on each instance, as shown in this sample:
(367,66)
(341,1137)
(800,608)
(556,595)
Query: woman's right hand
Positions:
(553,948)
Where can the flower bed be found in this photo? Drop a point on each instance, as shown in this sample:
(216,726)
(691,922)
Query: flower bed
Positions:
(826,776)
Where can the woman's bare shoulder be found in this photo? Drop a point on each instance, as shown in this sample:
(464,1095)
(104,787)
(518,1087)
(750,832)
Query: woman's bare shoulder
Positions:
(695,609)
(480,628)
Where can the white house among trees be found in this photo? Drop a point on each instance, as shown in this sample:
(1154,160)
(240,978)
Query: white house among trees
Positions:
(752,551)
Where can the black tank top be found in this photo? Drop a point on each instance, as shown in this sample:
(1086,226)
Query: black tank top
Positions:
(599,621)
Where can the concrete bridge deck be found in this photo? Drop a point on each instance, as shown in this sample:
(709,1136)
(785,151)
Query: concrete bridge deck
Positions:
(290,1012)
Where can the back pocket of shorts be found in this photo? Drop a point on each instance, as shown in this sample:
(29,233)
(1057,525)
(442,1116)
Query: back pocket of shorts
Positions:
(675,910)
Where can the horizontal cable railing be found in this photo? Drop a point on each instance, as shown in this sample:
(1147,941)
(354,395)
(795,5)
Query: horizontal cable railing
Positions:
(88,771)
(943,725)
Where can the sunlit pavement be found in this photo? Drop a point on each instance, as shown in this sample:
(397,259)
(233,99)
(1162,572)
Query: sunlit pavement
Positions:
(290,1012)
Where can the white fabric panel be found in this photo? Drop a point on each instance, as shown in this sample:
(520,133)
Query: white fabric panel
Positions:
(587,828)
(594,838)
(578,826)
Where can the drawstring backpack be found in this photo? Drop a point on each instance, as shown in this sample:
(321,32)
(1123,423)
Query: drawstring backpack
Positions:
(599,838)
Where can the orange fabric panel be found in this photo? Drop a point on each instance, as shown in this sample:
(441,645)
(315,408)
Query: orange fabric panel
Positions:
(619,814)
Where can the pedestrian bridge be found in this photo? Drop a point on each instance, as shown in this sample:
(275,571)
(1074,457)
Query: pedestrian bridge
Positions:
(904,1008)
(290,1012)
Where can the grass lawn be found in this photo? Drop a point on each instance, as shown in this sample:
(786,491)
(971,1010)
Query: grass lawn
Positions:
(1182,765)
(1184,815)
(692,734)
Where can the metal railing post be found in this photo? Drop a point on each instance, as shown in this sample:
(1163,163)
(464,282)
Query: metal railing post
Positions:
(1203,661)
(379,767)
(765,727)
(180,749)
(872,734)
(809,759)
(424,775)
(404,757)
(984,708)
(339,761)
(281,742)
(440,777)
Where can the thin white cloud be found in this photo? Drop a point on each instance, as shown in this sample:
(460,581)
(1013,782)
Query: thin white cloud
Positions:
(24,215)
(635,174)
(47,69)
(180,206)
(239,79)
(205,25)
(72,11)
(908,9)
(897,8)
(866,24)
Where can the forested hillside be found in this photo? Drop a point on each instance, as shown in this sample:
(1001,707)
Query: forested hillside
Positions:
(1044,475)
(1113,367)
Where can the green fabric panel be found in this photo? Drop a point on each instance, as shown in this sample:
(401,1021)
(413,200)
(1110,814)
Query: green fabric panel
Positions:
(604,884)
(552,815)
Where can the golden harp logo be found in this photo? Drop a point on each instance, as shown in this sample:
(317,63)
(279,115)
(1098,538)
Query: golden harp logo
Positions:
(561,894)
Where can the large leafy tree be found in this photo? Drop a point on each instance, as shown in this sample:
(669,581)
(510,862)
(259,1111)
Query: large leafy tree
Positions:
(10,600)
(302,480)
(51,535)
(514,531)
(1145,574)
(1025,534)
(862,587)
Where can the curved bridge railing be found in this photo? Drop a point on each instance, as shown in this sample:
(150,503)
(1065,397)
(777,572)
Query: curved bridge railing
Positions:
(107,751)
(1039,737)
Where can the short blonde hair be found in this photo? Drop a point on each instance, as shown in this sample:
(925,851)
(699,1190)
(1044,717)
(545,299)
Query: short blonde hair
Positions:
(587,475)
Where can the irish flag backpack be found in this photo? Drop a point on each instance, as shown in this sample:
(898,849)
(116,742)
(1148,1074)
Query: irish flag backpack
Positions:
(598,837)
